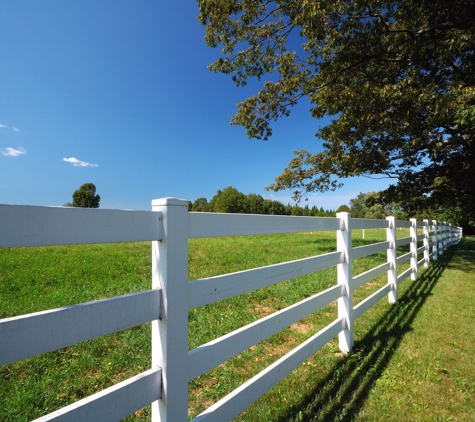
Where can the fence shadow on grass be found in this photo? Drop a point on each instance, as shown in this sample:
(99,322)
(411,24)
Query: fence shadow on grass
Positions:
(342,393)
(465,259)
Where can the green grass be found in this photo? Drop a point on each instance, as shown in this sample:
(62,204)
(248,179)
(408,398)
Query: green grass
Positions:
(36,279)
(329,386)
(427,371)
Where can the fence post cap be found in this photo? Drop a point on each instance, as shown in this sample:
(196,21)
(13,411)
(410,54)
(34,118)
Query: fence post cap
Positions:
(343,214)
(170,201)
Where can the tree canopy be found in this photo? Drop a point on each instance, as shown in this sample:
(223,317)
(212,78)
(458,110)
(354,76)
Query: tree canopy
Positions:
(85,196)
(230,200)
(397,78)
(233,201)
(371,205)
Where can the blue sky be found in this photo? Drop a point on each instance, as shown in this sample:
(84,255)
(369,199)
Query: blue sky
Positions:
(118,93)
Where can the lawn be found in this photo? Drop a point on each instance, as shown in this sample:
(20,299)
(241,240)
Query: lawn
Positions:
(412,360)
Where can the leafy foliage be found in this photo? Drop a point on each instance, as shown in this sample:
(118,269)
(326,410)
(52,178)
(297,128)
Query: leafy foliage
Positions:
(200,205)
(85,196)
(343,208)
(232,201)
(357,206)
(371,205)
(397,77)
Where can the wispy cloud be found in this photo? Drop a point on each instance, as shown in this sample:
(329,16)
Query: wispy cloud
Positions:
(78,163)
(12,152)
(15,129)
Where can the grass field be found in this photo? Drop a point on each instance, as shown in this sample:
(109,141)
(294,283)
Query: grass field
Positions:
(411,361)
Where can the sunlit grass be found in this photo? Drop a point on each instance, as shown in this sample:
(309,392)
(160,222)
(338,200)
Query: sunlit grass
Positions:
(34,279)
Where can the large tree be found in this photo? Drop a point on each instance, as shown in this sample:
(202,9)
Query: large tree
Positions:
(85,196)
(397,77)
(230,200)
(200,205)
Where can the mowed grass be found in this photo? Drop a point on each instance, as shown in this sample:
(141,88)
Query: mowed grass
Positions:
(425,370)
(329,386)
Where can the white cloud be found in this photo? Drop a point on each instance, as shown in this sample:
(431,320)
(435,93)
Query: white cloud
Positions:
(12,152)
(15,129)
(78,163)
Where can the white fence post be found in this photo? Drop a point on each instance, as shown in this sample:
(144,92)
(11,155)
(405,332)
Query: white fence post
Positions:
(447,235)
(345,303)
(440,230)
(426,244)
(447,241)
(413,234)
(434,240)
(392,259)
(444,236)
(170,332)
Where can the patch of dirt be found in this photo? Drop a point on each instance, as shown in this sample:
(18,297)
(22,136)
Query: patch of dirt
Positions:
(301,327)
(262,310)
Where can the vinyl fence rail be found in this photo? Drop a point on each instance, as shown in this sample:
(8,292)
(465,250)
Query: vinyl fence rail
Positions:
(168,226)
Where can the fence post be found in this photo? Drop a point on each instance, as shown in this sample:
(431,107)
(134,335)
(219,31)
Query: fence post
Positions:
(447,235)
(440,228)
(413,234)
(392,259)
(170,332)
(426,243)
(444,236)
(345,303)
(434,240)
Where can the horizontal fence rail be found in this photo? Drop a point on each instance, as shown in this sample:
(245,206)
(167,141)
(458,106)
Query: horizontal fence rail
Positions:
(113,403)
(209,290)
(169,226)
(363,251)
(235,402)
(209,355)
(369,275)
(371,300)
(202,224)
(41,332)
(43,226)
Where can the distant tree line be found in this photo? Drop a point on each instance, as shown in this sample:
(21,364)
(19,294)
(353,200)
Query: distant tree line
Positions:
(364,205)
(230,200)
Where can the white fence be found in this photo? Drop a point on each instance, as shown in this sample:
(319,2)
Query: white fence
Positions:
(169,226)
